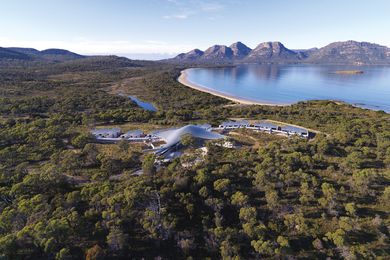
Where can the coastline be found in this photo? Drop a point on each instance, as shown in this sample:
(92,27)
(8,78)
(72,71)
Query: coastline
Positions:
(183,79)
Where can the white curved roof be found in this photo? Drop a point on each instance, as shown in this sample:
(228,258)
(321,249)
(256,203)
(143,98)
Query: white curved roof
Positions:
(173,136)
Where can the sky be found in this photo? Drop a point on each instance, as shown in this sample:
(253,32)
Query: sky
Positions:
(154,29)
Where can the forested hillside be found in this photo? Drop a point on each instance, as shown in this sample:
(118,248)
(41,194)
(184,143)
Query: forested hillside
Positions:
(63,196)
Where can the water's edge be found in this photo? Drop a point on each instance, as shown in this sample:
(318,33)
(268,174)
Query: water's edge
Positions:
(375,83)
(183,79)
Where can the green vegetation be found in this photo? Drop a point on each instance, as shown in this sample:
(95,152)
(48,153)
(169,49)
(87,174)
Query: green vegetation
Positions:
(63,196)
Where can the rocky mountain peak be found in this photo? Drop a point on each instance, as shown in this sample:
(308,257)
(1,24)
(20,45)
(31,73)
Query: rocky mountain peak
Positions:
(218,52)
(347,52)
(240,50)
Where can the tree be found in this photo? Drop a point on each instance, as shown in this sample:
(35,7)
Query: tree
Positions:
(260,180)
(111,166)
(148,167)
(355,159)
(116,239)
(229,250)
(350,209)
(262,247)
(248,214)
(95,253)
(8,246)
(361,180)
(317,244)
(337,237)
(221,185)
(296,223)
(325,145)
(187,140)
(307,193)
(385,198)
(90,154)
(272,198)
(82,139)
(64,254)
(284,244)
(123,145)
(329,195)
(239,199)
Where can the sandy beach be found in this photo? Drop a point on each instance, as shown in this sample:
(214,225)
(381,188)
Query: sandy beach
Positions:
(183,79)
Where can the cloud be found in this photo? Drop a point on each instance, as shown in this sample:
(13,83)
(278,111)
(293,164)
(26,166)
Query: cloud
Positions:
(188,8)
(176,16)
(85,46)
(211,7)
(174,1)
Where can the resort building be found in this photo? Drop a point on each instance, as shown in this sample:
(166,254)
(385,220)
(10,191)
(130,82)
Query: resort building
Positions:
(165,140)
(133,134)
(266,126)
(293,130)
(234,125)
(106,133)
(173,137)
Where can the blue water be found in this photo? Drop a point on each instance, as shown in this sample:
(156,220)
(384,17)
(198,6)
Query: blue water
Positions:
(144,105)
(288,84)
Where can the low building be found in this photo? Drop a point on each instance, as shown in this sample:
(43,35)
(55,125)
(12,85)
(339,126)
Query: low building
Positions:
(265,126)
(293,130)
(173,137)
(234,124)
(133,134)
(106,133)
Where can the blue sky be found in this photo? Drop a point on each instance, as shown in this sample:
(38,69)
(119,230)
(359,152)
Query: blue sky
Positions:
(159,28)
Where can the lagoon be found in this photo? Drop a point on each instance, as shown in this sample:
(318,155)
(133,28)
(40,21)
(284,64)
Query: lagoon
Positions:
(288,84)
(143,104)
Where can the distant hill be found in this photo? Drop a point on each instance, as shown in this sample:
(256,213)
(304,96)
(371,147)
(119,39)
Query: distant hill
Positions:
(26,51)
(54,55)
(59,55)
(11,54)
(348,53)
(352,52)
(92,63)
(193,55)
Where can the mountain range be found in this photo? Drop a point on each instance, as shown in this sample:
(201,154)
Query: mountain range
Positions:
(343,53)
(348,52)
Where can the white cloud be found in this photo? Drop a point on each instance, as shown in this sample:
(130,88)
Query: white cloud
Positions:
(84,46)
(188,8)
(211,7)
(174,1)
(176,16)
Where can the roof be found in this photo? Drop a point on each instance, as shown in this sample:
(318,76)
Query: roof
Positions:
(173,136)
(244,122)
(134,132)
(265,124)
(105,131)
(295,129)
(205,126)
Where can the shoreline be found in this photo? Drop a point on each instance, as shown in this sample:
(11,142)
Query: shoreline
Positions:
(183,79)
(241,101)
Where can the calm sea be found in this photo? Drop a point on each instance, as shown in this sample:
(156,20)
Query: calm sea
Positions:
(287,84)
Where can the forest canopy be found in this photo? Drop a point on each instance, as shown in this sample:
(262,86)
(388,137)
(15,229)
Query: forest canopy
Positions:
(63,196)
